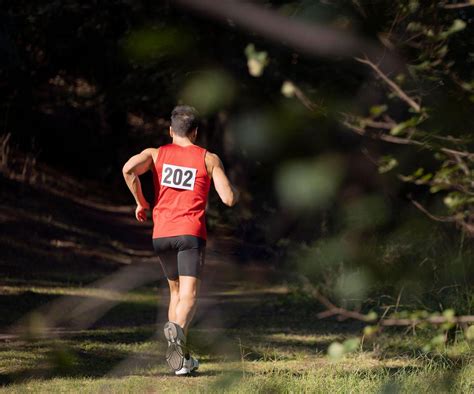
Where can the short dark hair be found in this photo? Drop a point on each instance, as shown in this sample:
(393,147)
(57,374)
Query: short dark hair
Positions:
(184,119)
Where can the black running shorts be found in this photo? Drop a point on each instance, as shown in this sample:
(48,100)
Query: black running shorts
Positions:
(182,255)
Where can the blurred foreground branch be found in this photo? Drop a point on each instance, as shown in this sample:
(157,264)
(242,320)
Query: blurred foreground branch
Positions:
(342,314)
(458,5)
(313,39)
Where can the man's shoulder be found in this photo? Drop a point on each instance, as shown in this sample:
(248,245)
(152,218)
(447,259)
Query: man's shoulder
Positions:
(212,162)
(212,157)
(152,152)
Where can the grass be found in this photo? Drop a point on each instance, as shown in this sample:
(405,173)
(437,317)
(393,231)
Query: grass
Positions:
(301,372)
(251,334)
(126,357)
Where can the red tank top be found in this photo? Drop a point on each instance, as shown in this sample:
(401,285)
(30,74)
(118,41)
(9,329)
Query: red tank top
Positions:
(181,189)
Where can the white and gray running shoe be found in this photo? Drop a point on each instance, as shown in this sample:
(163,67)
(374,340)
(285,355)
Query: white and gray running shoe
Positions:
(189,366)
(174,334)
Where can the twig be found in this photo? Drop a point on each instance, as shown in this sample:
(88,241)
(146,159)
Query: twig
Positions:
(397,304)
(455,153)
(382,136)
(333,310)
(445,219)
(359,8)
(468,227)
(396,89)
(379,125)
(304,99)
(457,6)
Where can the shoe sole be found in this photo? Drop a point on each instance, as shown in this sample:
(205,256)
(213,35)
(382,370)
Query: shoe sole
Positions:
(174,353)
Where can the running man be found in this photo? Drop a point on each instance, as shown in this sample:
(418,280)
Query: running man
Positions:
(182,173)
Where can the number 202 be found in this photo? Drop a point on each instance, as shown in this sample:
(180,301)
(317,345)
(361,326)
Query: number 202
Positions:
(175,177)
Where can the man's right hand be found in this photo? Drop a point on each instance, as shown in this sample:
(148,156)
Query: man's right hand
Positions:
(140,212)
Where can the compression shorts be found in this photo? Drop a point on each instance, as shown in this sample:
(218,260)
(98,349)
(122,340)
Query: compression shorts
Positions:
(181,255)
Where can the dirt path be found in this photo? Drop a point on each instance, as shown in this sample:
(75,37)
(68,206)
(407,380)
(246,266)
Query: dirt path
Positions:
(55,241)
(54,244)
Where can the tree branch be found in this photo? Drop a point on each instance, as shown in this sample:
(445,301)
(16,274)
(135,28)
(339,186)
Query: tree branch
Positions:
(455,153)
(304,99)
(457,6)
(333,310)
(395,88)
(314,39)
(381,136)
(445,219)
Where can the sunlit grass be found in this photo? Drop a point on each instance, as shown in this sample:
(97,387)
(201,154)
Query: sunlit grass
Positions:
(362,376)
(124,356)
(271,362)
(106,294)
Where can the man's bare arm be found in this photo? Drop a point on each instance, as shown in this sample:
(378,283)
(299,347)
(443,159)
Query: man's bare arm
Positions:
(228,193)
(133,168)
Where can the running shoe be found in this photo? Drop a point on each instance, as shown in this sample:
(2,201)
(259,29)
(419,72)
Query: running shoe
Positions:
(190,365)
(174,334)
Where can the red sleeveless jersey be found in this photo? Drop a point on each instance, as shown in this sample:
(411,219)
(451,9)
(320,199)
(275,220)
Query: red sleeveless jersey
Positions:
(181,189)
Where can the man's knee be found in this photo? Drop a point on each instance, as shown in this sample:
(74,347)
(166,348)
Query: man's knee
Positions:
(188,289)
(188,297)
(174,287)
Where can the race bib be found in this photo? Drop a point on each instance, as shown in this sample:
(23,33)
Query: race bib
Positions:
(178,177)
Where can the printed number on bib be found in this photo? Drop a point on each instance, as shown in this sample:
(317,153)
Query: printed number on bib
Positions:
(178,177)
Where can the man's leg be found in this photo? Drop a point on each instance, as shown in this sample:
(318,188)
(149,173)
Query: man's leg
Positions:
(186,306)
(174,298)
(190,260)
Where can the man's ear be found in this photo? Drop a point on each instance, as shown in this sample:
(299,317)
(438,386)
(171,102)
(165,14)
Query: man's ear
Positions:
(171,132)
(195,133)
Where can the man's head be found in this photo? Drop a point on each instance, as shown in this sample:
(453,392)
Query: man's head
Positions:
(184,121)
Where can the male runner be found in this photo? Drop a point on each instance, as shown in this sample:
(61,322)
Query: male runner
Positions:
(182,173)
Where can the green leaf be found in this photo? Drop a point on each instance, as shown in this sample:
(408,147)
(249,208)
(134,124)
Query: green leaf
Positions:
(449,314)
(419,172)
(256,60)
(447,326)
(457,26)
(371,316)
(288,89)
(415,26)
(400,79)
(423,66)
(336,351)
(377,110)
(427,348)
(351,345)
(426,177)
(412,122)
(470,333)
(437,188)
(398,128)
(413,5)
(456,200)
(438,340)
(387,163)
(370,330)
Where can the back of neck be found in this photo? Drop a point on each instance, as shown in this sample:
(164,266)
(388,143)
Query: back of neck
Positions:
(182,141)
